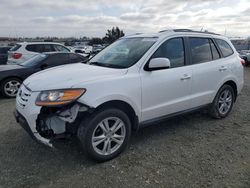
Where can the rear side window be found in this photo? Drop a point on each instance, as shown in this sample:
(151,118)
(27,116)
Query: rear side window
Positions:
(34,48)
(15,48)
(224,47)
(200,50)
(172,49)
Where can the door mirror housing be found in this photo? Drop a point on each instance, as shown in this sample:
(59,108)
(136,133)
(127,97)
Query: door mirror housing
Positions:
(158,64)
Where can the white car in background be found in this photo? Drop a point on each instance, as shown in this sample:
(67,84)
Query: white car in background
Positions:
(83,49)
(23,51)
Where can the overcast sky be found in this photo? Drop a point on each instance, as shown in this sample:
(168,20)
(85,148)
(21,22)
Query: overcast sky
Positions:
(66,18)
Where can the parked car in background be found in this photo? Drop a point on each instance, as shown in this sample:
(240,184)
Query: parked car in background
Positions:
(83,49)
(97,48)
(245,54)
(25,50)
(4,55)
(136,81)
(11,76)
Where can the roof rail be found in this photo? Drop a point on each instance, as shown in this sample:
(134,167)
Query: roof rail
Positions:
(183,30)
(162,31)
(189,30)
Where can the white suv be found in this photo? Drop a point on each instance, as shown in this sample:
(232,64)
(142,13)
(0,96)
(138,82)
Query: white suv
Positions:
(134,82)
(23,51)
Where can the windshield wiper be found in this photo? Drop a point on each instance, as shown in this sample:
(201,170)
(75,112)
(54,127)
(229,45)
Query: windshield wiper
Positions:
(107,65)
(96,63)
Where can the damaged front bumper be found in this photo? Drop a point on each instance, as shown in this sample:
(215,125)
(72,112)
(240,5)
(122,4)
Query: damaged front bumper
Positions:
(44,124)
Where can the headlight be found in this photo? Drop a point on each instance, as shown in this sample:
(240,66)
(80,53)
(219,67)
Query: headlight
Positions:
(58,97)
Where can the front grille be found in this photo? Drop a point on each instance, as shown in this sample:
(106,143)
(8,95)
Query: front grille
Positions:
(23,95)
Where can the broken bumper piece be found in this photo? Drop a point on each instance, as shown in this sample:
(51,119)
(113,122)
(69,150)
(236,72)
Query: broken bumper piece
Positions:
(52,123)
(34,135)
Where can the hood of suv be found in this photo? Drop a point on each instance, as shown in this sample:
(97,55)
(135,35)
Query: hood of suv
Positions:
(69,75)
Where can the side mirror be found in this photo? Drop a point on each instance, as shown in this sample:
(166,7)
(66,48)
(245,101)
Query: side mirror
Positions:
(158,64)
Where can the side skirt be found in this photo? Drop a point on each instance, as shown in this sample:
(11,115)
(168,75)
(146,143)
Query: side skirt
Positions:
(163,118)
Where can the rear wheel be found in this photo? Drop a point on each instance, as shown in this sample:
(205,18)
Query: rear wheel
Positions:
(10,87)
(223,102)
(105,134)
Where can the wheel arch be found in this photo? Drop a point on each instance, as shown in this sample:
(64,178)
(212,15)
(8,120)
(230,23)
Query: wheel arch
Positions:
(234,86)
(231,83)
(6,78)
(125,107)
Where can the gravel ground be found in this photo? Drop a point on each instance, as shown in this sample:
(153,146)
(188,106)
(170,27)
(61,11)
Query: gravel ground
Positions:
(188,151)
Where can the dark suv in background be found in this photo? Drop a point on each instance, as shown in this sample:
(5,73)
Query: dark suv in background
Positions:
(4,55)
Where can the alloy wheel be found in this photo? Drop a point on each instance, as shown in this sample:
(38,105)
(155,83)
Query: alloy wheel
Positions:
(11,88)
(108,136)
(225,101)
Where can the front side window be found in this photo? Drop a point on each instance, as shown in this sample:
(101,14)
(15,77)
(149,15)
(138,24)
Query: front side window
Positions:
(200,50)
(75,58)
(172,49)
(60,48)
(123,53)
(47,48)
(57,59)
(35,60)
(224,47)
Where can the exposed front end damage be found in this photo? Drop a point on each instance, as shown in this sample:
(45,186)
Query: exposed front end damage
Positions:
(60,122)
(44,124)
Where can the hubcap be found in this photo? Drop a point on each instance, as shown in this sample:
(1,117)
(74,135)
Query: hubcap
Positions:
(225,101)
(108,136)
(11,88)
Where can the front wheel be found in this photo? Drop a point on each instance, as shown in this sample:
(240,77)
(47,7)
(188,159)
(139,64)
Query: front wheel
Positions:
(105,134)
(223,102)
(10,87)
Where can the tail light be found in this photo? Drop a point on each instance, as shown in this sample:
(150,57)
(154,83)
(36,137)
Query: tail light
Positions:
(242,61)
(16,55)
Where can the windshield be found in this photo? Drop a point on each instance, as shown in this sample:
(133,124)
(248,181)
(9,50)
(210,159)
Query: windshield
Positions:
(123,53)
(35,60)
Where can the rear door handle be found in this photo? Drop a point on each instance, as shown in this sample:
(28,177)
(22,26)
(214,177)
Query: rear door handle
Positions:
(222,68)
(186,77)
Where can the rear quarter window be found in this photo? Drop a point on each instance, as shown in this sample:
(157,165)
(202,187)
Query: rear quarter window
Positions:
(225,48)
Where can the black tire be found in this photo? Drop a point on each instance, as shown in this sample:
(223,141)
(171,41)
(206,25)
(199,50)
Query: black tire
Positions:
(3,85)
(89,125)
(214,108)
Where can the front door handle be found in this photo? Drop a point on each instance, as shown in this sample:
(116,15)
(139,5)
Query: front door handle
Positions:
(186,77)
(222,68)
